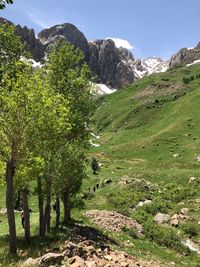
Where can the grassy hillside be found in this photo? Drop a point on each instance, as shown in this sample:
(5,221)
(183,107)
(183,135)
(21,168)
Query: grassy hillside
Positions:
(149,133)
(148,146)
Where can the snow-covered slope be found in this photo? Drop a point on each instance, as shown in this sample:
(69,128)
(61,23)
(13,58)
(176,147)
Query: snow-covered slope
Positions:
(102,89)
(144,67)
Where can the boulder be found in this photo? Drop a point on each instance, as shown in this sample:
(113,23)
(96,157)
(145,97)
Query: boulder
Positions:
(184,211)
(51,259)
(161,218)
(192,179)
(76,261)
(32,262)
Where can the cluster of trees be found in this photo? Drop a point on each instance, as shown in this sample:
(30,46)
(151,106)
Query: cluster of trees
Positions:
(44,135)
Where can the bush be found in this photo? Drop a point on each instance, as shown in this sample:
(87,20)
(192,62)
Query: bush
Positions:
(130,231)
(190,229)
(164,236)
(186,80)
(156,206)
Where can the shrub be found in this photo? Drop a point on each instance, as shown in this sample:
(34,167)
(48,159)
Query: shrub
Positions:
(190,229)
(186,80)
(130,231)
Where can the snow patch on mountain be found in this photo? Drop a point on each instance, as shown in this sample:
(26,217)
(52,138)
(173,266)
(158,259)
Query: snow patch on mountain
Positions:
(102,89)
(194,62)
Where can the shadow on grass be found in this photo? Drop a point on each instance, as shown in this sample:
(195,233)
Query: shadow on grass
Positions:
(75,232)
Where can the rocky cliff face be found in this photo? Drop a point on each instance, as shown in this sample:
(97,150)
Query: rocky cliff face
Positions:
(110,64)
(185,56)
(115,67)
(67,31)
(32,44)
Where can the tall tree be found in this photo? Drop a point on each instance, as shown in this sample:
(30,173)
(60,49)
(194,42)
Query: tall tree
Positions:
(71,77)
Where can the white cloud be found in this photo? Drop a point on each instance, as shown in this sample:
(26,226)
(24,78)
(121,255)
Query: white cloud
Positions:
(121,43)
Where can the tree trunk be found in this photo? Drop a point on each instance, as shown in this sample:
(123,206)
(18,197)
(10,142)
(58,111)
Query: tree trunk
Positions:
(41,208)
(57,212)
(10,171)
(26,214)
(48,207)
(67,209)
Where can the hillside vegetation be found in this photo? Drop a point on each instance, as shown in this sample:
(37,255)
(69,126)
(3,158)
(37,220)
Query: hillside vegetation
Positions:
(149,147)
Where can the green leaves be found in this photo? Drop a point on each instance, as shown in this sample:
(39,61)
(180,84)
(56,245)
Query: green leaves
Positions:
(4,2)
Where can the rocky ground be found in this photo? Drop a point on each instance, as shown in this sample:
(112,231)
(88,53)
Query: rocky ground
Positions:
(87,247)
(113,221)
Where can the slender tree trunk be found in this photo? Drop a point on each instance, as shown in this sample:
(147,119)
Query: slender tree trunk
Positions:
(25,193)
(41,208)
(18,201)
(10,171)
(57,212)
(67,208)
(48,207)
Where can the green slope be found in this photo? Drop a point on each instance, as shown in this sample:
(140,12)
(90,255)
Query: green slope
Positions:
(150,132)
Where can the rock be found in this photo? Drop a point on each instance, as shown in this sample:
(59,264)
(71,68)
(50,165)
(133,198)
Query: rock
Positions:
(175,222)
(124,264)
(198,158)
(69,32)
(185,56)
(28,38)
(161,218)
(3,211)
(107,181)
(51,259)
(76,261)
(91,264)
(192,179)
(113,221)
(32,262)
(184,211)
(108,257)
(110,64)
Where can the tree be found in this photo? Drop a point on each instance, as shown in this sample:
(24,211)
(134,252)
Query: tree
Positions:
(71,77)
(94,165)
(4,2)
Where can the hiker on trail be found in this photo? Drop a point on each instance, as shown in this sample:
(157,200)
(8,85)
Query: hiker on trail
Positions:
(94,188)
(97,185)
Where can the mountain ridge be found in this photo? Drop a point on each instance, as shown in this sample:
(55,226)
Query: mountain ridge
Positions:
(115,67)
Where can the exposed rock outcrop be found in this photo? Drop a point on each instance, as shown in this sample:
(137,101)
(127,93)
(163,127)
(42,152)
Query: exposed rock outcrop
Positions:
(111,65)
(32,44)
(67,31)
(185,56)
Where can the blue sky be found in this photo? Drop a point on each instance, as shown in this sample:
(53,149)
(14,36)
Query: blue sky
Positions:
(151,27)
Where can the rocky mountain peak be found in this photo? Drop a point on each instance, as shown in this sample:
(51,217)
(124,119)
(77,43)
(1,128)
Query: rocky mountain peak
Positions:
(185,56)
(67,31)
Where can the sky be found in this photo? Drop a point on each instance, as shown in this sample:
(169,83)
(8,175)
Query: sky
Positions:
(147,27)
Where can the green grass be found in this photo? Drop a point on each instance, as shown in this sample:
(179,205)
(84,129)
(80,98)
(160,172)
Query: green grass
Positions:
(142,127)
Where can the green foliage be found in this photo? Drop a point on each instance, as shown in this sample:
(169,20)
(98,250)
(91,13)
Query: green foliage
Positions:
(11,47)
(132,232)
(190,229)
(4,2)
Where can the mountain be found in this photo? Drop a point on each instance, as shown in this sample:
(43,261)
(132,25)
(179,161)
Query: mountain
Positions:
(185,56)
(115,67)
(147,143)
(144,67)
